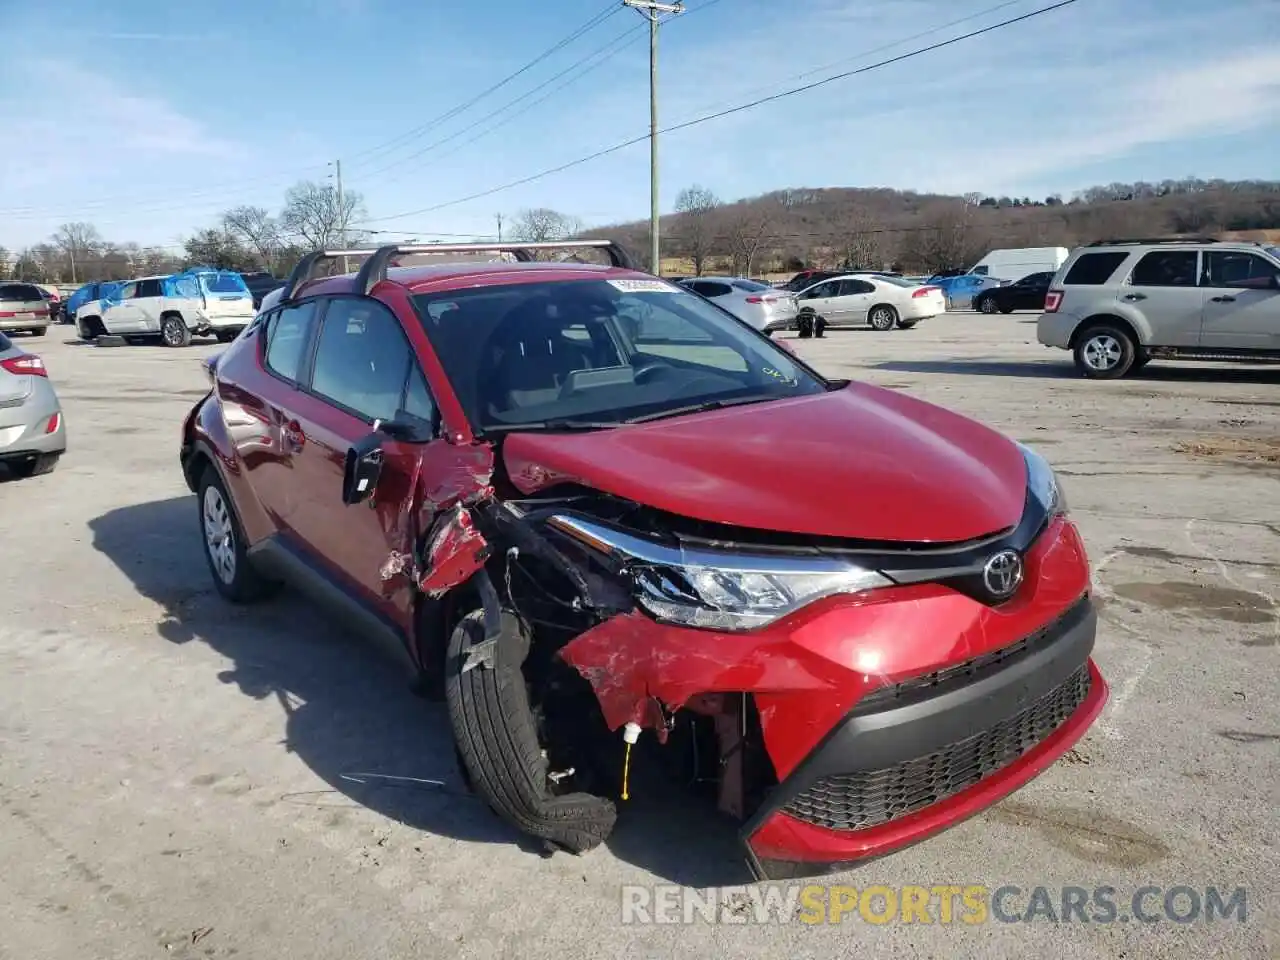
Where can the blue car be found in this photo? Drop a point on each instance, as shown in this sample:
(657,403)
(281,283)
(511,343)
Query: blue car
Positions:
(89,292)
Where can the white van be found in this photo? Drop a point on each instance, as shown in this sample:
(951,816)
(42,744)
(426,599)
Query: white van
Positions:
(1014,264)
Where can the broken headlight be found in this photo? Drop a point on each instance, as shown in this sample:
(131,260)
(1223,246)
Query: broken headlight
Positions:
(733,599)
(1043,483)
(719,590)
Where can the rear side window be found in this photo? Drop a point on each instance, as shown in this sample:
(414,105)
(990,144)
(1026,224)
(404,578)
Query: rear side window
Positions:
(1094,269)
(288,332)
(1166,268)
(148,288)
(850,287)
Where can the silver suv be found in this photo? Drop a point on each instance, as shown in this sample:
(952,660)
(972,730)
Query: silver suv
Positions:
(1119,304)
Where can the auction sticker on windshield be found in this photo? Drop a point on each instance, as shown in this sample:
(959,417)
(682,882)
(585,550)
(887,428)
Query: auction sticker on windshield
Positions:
(644,286)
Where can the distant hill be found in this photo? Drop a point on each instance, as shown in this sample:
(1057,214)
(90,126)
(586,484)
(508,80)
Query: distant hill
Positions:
(877,227)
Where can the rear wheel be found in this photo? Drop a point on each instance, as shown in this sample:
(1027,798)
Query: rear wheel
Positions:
(882,317)
(174,331)
(498,747)
(1105,351)
(39,331)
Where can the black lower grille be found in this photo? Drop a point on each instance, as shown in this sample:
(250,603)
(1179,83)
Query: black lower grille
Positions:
(857,801)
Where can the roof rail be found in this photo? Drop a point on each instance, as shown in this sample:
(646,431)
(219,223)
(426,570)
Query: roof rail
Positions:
(374,269)
(1146,240)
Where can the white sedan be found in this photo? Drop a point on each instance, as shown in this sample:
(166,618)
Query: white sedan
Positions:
(881,302)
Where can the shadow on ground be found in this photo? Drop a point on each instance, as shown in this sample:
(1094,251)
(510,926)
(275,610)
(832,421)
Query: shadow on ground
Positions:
(1051,370)
(349,712)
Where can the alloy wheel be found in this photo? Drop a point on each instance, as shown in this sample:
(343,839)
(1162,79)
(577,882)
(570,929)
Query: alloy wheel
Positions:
(1102,352)
(219,535)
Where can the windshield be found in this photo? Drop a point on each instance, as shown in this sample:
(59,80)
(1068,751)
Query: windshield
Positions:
(1274,251)
(561,354)
(223,283)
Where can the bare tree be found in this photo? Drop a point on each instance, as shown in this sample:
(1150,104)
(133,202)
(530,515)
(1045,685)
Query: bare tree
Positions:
(313,213)
(4,263)
(747,229)
(78,241)
(858,243)
(544,225)
(697,206)
(256,229)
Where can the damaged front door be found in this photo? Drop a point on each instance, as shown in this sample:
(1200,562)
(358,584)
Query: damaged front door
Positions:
(365,380)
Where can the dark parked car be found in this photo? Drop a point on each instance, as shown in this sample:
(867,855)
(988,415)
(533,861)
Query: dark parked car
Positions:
(1025,294)
(807,278)
(260,284)
(558,493)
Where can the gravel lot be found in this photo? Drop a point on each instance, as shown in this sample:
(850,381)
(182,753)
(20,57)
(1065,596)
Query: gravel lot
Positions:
(181,779)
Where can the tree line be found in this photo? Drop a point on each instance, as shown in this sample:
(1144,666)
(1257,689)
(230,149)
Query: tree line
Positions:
(781,231)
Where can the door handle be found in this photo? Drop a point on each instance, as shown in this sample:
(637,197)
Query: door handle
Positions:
(1134,296)
(293,435)
(1223,299)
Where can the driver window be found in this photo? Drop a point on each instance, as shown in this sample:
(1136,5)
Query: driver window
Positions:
(1227,268)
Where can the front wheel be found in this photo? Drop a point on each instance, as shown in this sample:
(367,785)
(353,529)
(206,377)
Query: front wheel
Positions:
(987,305)
(882,318)
(1105,352)
(498,746)
(174,331)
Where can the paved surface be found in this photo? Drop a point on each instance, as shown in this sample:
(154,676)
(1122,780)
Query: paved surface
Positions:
(182,779)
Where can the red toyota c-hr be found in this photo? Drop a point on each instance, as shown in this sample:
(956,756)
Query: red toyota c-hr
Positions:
(589,508)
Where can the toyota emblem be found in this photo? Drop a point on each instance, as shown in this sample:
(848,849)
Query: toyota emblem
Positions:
(1003,574)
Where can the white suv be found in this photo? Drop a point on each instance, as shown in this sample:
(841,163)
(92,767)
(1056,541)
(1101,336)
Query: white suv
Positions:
(1120,304)
(175,308)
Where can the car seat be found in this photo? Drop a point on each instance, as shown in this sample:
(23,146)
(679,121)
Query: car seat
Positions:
(529,358)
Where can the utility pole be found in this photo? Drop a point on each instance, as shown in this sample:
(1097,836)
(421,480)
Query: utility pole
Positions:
(499,227)
(653,12)
(71,252)
(342,214)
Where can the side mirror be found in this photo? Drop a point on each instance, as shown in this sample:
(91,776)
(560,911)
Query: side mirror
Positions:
(363,468)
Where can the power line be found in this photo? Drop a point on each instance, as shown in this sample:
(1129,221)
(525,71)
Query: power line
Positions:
(587,27)
(606,50)
(750,105)
(388,146)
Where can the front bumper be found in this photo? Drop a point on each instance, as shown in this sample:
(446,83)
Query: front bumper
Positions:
(917,757)
(886,716)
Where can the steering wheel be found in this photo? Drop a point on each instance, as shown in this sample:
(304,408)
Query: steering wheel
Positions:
(651,367)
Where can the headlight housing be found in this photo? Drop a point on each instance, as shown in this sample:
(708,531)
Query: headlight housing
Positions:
(1043,483)
(720,591)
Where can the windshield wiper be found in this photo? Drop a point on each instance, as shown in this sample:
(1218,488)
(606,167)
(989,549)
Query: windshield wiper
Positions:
(703,407)
(559,424)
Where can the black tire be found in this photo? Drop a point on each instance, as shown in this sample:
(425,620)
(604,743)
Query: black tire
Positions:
(906,324)
(497,743)
(986,305)
(1105,351)
(226,336)
(174,331)
(241,583)
(39,331)
(89,328)
(882,317)
(804,326)
(819,326)
(36,466)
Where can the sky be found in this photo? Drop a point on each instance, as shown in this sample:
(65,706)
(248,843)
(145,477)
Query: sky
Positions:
(147,120)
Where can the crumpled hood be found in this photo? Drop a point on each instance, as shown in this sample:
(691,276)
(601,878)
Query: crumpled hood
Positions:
(862,462)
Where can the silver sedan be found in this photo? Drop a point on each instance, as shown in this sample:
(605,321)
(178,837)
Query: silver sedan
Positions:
(33,434)
(755,304)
